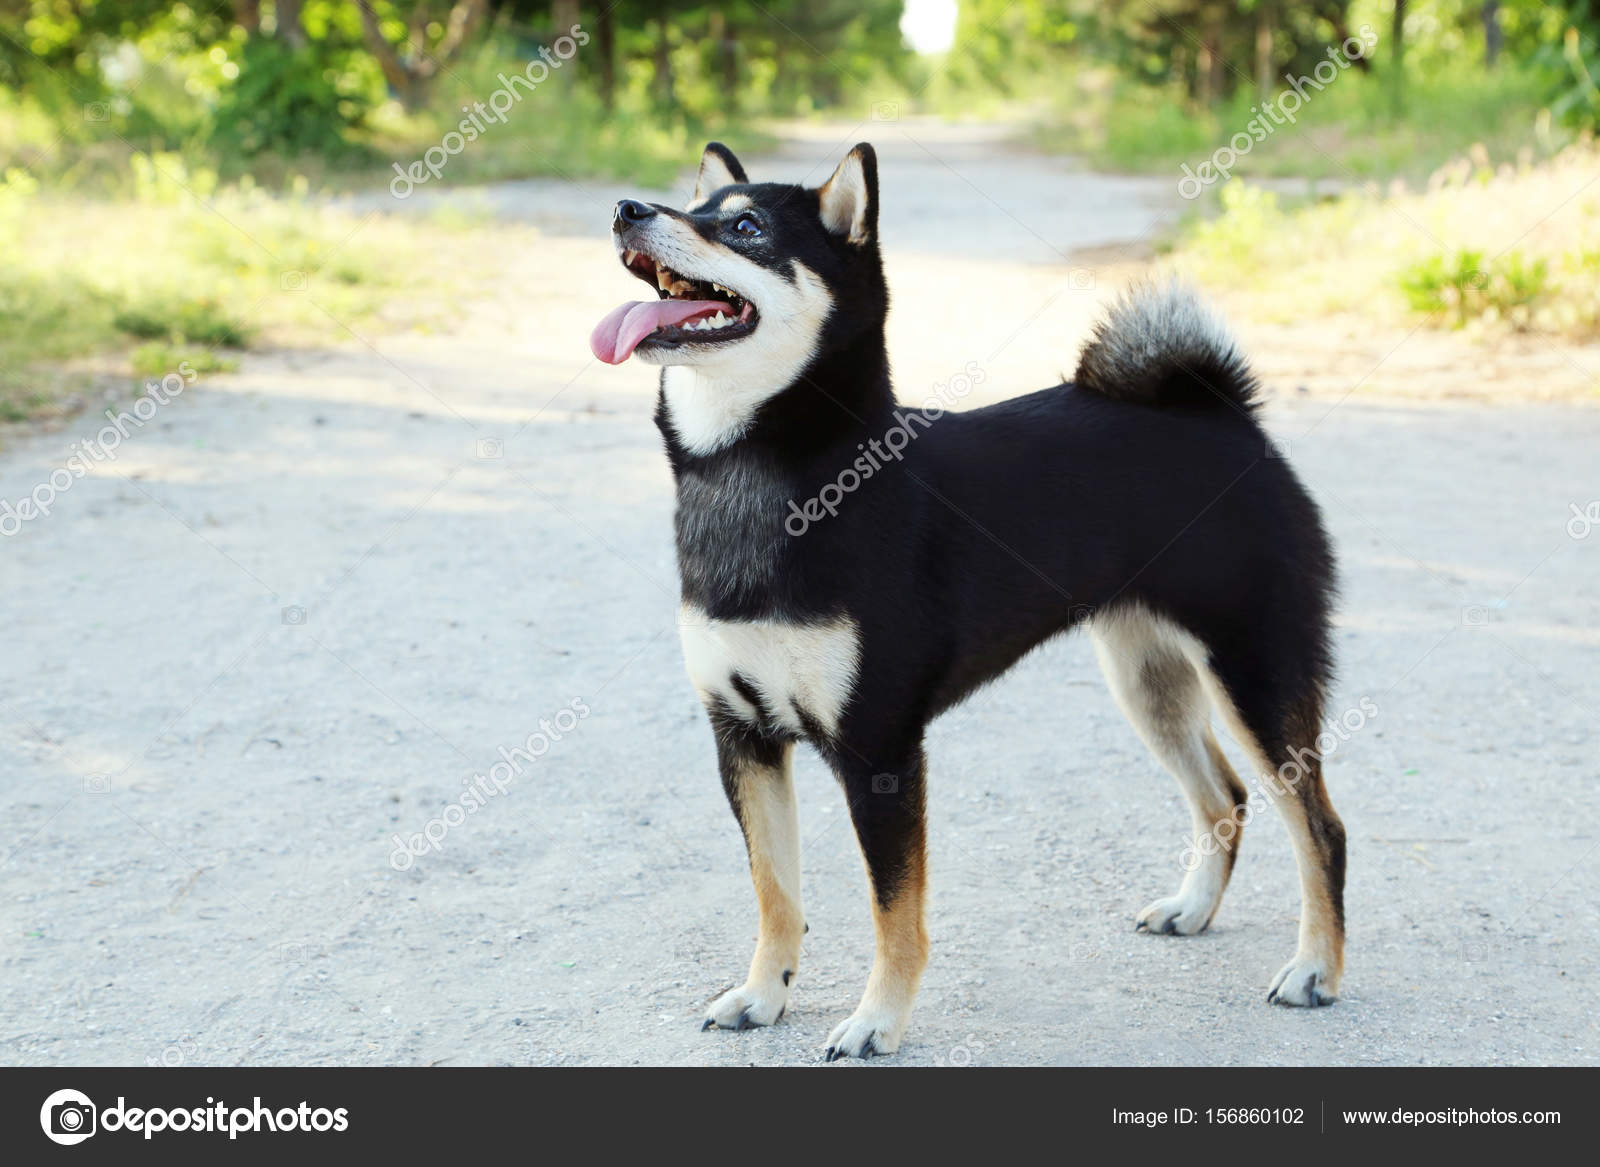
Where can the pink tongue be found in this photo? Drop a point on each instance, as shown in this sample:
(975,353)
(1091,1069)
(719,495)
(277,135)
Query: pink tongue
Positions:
(614,338)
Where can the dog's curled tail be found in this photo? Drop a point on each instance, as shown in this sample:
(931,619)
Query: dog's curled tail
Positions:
(1160,344)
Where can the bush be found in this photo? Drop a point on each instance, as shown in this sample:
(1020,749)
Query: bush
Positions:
(1462,284)
(178,320)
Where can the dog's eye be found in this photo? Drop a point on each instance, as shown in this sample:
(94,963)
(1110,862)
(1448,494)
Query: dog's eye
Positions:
(747,226)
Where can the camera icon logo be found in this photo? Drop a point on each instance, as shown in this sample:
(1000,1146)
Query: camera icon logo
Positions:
(97,783)
(1081,279)
(885,784)
(489,450)
(293,952)
(96,111)
(885,111)
(68,1117)
(1476,616)
(294,614)
(293,281)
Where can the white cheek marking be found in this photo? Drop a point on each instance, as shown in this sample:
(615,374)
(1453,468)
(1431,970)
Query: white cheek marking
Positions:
(713,396)
(795,668)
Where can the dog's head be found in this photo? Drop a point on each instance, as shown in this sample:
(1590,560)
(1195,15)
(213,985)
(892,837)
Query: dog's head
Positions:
(751,279)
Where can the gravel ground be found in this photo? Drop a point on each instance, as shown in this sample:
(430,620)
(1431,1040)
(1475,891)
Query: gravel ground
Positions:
(310,600)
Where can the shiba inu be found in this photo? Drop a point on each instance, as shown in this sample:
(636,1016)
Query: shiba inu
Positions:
(1141,500)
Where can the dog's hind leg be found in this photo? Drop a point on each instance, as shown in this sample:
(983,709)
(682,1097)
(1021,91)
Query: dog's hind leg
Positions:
(1280,722)
(1160,691)
(757,775)
(887,805)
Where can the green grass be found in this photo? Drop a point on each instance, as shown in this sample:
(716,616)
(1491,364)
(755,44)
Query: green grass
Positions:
(555,131)
(1465,286)
(1460,254)
(1348,131)
(157,359)
(558,129)
(190,269)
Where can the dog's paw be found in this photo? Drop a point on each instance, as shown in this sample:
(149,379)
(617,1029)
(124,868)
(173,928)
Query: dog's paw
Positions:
(1304,981)
(1178,915)
(866,1033)
(747,1007)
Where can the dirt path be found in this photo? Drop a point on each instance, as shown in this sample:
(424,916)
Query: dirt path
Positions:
(309,601)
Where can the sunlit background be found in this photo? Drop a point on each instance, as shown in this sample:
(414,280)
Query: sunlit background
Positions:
(120,119)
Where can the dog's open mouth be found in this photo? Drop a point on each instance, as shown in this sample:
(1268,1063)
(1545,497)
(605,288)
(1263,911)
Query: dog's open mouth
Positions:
(688,311)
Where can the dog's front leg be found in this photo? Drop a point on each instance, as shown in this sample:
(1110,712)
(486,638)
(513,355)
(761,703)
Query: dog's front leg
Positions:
(887,805)
(756,773)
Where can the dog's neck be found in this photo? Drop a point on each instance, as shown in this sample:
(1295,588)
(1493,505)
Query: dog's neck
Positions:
(707,409)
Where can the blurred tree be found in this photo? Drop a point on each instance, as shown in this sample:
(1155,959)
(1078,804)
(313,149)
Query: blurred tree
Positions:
(412,52)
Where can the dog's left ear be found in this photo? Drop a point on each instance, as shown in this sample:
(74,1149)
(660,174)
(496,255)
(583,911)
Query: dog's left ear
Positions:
(718,168)
(849,200)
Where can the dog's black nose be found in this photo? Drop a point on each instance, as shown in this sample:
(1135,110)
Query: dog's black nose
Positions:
(630,211)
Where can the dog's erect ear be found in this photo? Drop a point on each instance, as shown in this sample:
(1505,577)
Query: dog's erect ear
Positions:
(718,168)
(849,200)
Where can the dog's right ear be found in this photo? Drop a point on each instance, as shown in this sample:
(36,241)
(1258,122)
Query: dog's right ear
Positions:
(849,200)
(718,168)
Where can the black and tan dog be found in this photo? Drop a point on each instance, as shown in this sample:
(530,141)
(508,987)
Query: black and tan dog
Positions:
(852,568)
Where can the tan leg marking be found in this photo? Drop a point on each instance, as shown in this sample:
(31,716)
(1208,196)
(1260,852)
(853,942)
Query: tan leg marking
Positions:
(770,819)
(879,1022)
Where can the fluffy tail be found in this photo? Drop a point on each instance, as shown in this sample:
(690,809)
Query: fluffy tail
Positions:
(1161,345)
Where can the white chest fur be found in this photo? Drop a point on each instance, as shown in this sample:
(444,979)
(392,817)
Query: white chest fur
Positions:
(799,671)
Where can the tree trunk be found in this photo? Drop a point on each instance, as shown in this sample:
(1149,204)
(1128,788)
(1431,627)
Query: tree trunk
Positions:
(564,16)
(1397,50)
(665,92)
(605,35)
(726,50)
(288,30)
(1264,15)
(1491,33)
(409,76)
(1337,16)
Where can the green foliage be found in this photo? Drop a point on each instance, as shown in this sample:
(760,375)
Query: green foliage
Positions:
(290,102)
(1152,84)
(1250,214)
(17,188)
(1438,254)
(157,359)
(179,320)
(1462,285)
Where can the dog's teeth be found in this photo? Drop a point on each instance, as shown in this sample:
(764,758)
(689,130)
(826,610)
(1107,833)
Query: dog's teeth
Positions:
(629,256)
(719,320)
(663,278)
